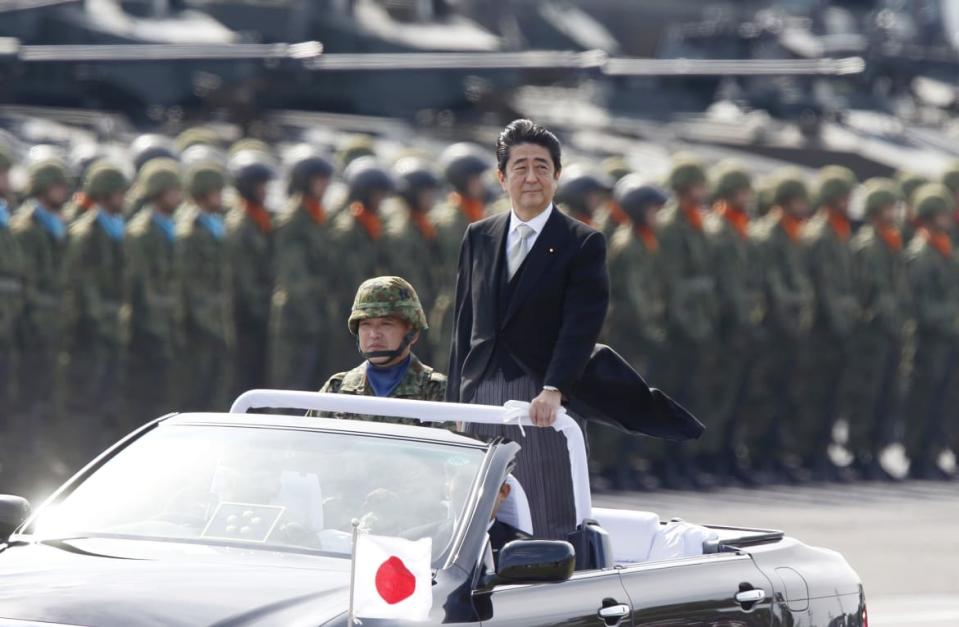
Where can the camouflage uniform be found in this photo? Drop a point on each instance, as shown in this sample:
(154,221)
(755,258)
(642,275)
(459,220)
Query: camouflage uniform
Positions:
(202,268)
(250,256)
(950,178)
(151,290)
(934,278)
(873,391)
(789,299)
(305,264)
(95,322)
(826,354)
(378,298)
(909,183)
(12,271)
(731,356)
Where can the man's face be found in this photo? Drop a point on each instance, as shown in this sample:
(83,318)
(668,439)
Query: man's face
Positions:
(841,205)
(426,199)
(476,188)
(4,182)
(797,208)
(942,221)
(693,196)
(169,200)
(114,202)
(211,201)
(383,334)
(650,212)
(259,193)
(376,199)
(55,197)
(886,216)
(742,199)
(318,186)
(501,497)
(530,179)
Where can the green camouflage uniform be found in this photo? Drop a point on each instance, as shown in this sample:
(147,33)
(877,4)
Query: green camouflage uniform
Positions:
(202,267)
(826,354)
(12,272)
(934,279)
(873,391)
(302,311)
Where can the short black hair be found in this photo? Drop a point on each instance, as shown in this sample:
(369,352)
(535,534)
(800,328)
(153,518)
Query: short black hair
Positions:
(524,131)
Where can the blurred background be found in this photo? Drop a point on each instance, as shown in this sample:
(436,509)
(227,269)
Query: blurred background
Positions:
(192,190)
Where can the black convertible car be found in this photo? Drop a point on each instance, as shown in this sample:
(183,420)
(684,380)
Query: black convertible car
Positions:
(148,533)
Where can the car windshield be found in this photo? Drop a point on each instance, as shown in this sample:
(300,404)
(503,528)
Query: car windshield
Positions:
(270,488)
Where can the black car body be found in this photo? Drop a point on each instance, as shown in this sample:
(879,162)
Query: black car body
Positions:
(741,577)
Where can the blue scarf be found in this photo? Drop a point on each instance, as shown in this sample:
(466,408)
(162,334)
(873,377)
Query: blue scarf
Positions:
(111,224)
(213,222)
(385,380)
(165,223)
(4,215)
(52,222)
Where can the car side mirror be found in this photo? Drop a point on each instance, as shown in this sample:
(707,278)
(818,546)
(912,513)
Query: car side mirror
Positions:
(535,561)
(14,510)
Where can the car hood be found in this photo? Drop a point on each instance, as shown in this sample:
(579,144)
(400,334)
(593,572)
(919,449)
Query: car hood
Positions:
(106,582)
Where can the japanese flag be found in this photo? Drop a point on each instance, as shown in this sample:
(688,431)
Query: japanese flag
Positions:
(393,578)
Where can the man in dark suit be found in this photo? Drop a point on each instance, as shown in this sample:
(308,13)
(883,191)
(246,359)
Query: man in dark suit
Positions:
(531,297)
(500,532)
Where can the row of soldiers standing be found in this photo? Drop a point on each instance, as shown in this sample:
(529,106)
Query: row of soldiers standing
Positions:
(769,315)
(180,289)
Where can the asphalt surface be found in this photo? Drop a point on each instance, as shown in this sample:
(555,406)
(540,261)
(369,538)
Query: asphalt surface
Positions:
(902,539)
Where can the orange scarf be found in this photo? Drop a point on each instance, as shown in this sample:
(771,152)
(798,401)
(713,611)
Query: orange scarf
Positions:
(891,236)
(315,209)
(585,219)
(737,218)
(648,236)
(616,214)
(792,226)
(83,202)
(259,215)
(694,216)
(424,225)
(471,208)
(840,224)
(369,220)
(939,241)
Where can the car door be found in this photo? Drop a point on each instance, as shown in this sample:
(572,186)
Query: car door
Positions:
(577,601)
(720,590)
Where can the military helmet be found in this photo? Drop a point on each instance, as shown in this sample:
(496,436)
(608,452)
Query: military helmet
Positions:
(201,153)
(909,182)
(462,162)
(103,178)
(204,178)
(159,176)
(308,164)
(950,178)
(578,182)
(365,176)
(880,193)
(354,147)
(931,200)
(250,168)
(196,135)
(634,195)
(729,179)
(685,173)
(46,152)
(45,174)
(414,175)
(248,143)
(84,155)
(385,296)
(790,186)
(151,146)
(834,182)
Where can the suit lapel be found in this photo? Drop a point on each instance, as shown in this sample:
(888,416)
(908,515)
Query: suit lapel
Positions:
(493,259)
(544,252)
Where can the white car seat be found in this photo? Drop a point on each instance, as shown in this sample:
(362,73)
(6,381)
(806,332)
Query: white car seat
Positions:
(632,533)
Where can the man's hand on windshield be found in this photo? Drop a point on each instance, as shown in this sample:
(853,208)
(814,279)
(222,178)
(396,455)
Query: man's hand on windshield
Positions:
(543,408)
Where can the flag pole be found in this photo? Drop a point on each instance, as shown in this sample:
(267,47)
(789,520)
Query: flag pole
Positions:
(351,619)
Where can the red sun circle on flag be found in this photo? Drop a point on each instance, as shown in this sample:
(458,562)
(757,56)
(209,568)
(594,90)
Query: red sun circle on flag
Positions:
(394,581)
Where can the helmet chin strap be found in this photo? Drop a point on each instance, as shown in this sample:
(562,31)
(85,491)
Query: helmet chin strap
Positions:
(390,355)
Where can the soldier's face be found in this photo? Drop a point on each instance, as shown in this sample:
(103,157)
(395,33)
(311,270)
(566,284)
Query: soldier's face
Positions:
(318,186)
(426,199)
(383,334)
(170,200)
(797,208)
(942,222)
(887,215)
(530,179)
(742,199)
(4,182)
(694,195)
(650,212)
(476,188)
(114,202)
(55,197)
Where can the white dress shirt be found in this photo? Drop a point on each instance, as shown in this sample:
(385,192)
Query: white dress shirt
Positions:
(537,224)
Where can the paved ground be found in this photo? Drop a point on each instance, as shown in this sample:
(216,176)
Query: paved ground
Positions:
(903,539)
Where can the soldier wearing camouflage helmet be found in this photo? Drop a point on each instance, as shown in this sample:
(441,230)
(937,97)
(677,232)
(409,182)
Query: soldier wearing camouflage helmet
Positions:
(872,397)
(151,292)
(582,193)
(249,227)
(304,265)
(464,166)
(829,265)
(386,321)
(202,267)
(778,434)
(691,311)
(934,279)
(95,326)
(42,236)
(731,357)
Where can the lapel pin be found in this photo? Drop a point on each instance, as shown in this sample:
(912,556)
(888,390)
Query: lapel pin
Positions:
(552,250)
